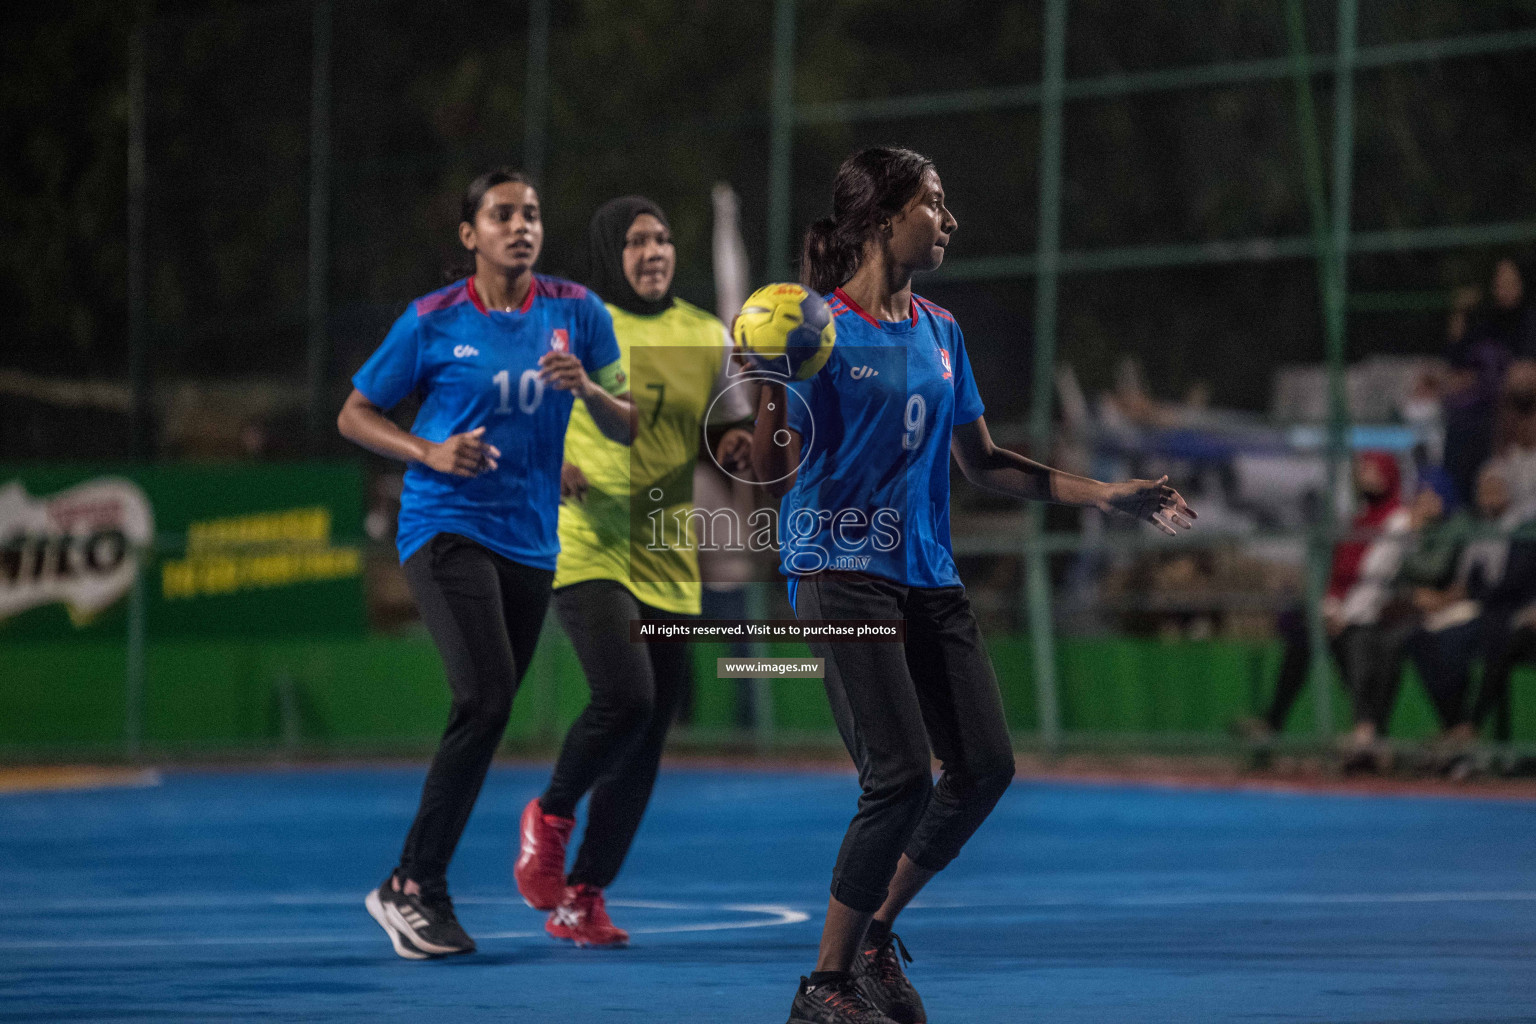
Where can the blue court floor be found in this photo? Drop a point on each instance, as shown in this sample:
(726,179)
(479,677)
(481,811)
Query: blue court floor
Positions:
(237,896)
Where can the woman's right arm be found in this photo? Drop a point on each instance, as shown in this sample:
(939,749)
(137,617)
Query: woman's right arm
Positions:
(775,445)
(364,423)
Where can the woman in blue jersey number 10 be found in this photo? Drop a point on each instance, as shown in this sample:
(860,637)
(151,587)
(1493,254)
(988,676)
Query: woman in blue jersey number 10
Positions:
(498,359)
(862,450)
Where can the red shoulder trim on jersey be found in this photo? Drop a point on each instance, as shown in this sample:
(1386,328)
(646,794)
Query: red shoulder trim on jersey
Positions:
(938,311)
(474,294)
(855,307)
(446,297)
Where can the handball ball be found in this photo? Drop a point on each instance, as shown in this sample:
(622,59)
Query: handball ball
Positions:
(786,330)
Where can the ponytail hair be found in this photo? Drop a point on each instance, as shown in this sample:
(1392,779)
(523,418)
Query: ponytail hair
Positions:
(871,186)
(829,257)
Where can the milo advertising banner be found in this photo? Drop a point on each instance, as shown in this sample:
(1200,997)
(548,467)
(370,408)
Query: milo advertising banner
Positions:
(237,550)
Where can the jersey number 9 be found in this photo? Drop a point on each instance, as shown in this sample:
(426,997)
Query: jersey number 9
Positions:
(916,423)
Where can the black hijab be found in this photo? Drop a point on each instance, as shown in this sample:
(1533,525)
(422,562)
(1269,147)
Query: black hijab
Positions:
(605,253)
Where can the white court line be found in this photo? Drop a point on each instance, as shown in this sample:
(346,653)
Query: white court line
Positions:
(221,901)
(1306,898)
(775,915)
(224,901)
(779,915)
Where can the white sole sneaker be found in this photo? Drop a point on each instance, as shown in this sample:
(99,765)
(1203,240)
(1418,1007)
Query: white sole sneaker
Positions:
(403,946)
(407,931)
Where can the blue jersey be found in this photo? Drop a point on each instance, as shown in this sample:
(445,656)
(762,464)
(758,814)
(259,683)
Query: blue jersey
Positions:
(477,368)
(872,493)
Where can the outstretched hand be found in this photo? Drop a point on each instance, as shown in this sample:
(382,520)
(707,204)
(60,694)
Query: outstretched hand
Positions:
(1150,500)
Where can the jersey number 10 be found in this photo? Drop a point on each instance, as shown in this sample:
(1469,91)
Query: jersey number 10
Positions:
(530,390)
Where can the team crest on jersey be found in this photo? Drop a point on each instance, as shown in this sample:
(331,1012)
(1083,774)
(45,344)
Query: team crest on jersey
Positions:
(560,341)
(944,358)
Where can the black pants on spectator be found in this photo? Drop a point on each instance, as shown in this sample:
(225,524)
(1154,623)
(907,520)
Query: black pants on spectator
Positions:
(484,613)
(1369,660)
(891,701)
(1444,660)
(614,748)
(1504,648)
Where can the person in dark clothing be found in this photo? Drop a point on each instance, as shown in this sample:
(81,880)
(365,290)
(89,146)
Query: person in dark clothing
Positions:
(610,574)
(1460,617)
(1507,599)
(1496,334)
(1508,320)
(1509,639)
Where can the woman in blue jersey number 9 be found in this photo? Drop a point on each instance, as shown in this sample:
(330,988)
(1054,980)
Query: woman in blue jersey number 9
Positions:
(499,359)
(860,454)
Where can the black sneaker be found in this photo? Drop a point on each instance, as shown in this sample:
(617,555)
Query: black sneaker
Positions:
(836,1002)
(420,926)
(878,973)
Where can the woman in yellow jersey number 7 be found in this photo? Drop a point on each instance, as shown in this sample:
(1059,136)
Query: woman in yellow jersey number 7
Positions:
(627,553)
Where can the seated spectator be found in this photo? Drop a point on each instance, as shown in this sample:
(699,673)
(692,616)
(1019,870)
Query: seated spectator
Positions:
(1509,631)
(1457,617)
(1364,566)
(1510,640)
(1438,529)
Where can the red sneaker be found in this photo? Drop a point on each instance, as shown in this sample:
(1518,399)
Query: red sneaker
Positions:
(540,867)
(582,918)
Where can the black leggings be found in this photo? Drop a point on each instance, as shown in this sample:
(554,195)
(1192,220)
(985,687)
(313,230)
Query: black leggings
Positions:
(891,701)
(614,748)
(1444,659)
(484,613)
(1506,648)
(1370,660)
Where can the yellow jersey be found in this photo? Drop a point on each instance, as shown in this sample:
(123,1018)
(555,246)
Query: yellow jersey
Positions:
(634,525)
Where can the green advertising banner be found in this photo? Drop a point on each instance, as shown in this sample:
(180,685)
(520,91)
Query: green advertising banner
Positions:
(262,550)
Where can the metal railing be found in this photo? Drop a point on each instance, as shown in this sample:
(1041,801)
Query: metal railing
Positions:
(1330,241)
